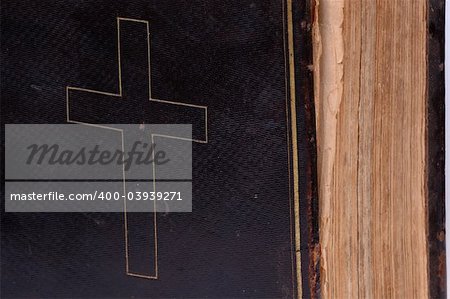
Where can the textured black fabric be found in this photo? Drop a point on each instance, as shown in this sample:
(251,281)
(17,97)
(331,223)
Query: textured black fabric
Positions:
(436,149)
(227,55)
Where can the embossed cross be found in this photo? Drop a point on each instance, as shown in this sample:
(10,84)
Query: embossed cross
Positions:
(133,103)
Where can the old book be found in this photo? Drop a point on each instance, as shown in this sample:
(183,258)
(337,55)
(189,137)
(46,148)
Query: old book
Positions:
(241,73)
(380,126)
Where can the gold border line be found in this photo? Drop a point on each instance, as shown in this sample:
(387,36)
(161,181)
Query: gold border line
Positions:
(293,118)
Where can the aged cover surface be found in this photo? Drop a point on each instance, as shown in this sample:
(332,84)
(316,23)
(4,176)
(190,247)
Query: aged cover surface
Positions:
(253,228)
(436,149)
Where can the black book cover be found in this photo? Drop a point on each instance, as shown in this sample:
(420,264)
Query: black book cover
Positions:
(253,229)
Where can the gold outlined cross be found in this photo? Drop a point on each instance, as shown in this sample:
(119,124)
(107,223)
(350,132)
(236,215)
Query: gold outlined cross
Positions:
(108,107)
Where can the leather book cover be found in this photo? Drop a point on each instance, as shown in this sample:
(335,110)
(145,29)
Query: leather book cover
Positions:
(435,169)
(240,73)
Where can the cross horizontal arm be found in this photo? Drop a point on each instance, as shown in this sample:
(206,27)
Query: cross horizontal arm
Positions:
(133,103)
